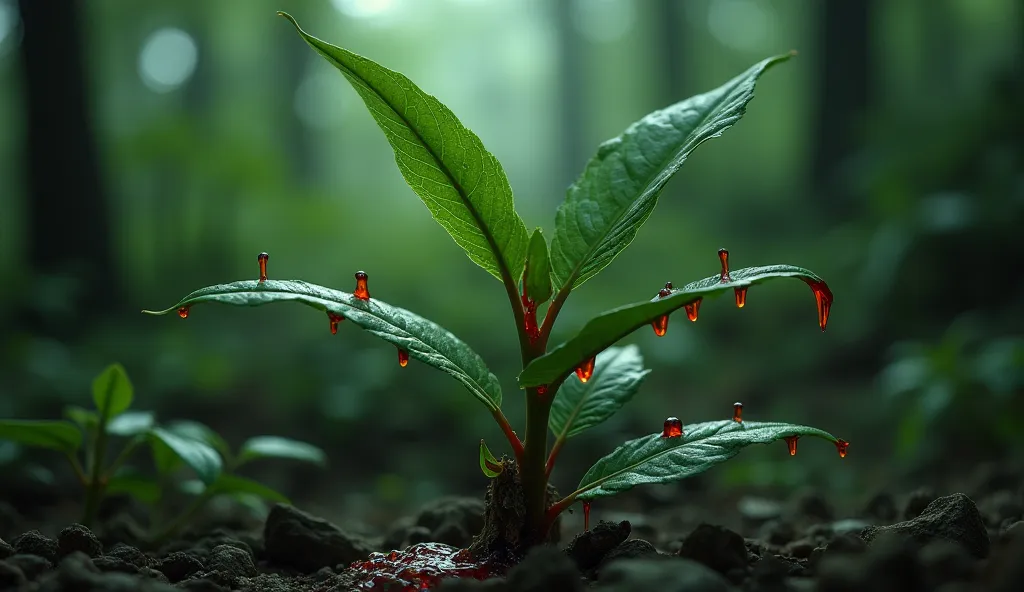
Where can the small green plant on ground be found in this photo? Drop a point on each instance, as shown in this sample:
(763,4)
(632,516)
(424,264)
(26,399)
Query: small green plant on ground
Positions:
(582,382)
(177,445)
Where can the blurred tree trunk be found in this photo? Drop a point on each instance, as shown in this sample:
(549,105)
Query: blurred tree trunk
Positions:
(669,15)
(571,95)
(68,223)
(844,89)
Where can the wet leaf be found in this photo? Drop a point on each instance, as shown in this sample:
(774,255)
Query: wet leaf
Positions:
(537,276)
(62,436)
(460,182)
(653,459)
(490,466)
(131,423)
(199,456)
(141,486)
(112,391)
(619,187)
(425,340)
(278,447)
(618,373)
(611,326)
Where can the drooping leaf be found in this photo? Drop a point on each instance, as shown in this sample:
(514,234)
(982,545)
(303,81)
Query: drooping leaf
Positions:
(112,391)
(85,418)
(619,187)
(490,466)
(618,373)
(141,486)
(425,340)
(62,436)
(131,423)
(611,326)
(461,183)
(653,459)
(278,447)
(194,430)
(198,455)
(537,276)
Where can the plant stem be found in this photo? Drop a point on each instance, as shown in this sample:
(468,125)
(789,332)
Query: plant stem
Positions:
(186,515)
(555,449)
(532,469)
(513,439)
(94,488)
(123,456)
(77,468)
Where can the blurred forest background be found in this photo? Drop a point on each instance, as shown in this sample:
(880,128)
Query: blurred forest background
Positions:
(151,148)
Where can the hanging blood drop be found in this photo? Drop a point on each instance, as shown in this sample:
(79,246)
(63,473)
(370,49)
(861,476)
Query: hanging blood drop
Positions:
(586,370)
(586,515)
(660,325)
(362,292)
(723,256)
(183,312)
(841,446)
(673,428)
(791,444)
(737,412)
(741,296)
(334,319)
(692,308)
(263,258)
(823,296)
(403,358)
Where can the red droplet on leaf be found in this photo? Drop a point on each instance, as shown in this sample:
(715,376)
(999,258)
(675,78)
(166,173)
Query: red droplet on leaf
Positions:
(334,319)
(692,308)
(660,325)
(586,515)
(841,446)
(183,312)
(362,292)
(723,256)
(741,296)
(791,444)
(823,296)
(673,428)
(737,412)
(542,390)
(586,370)
(403,358)
(263,258)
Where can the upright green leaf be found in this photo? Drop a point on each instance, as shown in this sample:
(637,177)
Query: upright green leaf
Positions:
(278,447)
(461,183)
(425,341)
(619,188)
(537,276)
(199,456)
(112,391)
(653,459)
(62,436)
(611,326)
(618,373)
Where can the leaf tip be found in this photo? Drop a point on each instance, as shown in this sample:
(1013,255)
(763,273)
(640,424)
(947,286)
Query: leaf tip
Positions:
(792,53)
(284,14)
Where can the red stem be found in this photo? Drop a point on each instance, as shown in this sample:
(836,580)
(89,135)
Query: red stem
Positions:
(554,455)
(513,439)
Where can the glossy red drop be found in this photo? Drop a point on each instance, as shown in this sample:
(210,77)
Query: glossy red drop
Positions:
(586,515)
(334,319)
(263,258)
(542,390)
(420,567)
(737,412)
(660,325)
(723,256)
(692,309)
(362,291)
(403,358)
(841,446)
(585,371)
(673,428)
(791,444)
(183,312)
(530,318)
(741,296)
(823,296)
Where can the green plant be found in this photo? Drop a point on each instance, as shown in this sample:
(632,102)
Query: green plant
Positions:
(174,446)
(466,191)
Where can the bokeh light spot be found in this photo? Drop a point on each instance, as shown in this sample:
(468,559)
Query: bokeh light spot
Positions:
(168,59)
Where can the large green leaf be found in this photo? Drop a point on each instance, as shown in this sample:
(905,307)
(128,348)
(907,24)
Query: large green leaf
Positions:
(194,430)
(619,187)
(112,391)
(55,435)
(424,340)
(618,373)
(537,276)
(611,326)
(278,447)
(653,459)
(198,455)
(461,183)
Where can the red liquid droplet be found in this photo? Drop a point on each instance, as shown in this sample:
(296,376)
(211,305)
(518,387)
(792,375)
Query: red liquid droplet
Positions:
(737,412)
(362,291)
(530,318)
(791,444)
(420,567)
(841,446)
(723,256)
(741,296)
(403,358)
(183,312)
(334,319)
(263,258)
(586,515)
(823,296)
(660,325)
(586,370)
(673,428)
(692,308)
(542,390)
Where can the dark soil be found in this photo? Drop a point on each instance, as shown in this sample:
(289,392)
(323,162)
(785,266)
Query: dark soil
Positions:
(918,541)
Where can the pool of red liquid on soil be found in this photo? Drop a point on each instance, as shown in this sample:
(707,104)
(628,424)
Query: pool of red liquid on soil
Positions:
(420,567)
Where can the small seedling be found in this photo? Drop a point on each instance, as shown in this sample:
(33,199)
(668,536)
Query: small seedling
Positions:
(88,432)
(582,382)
